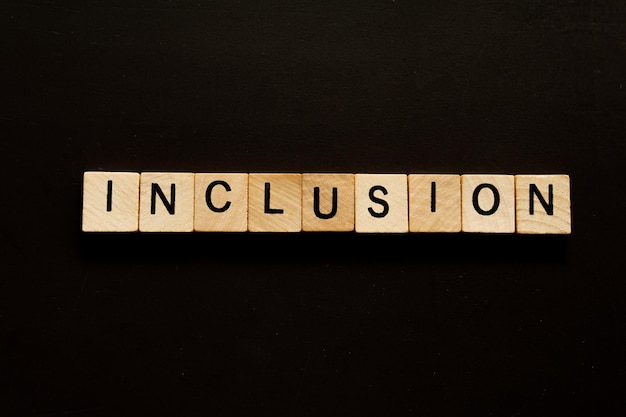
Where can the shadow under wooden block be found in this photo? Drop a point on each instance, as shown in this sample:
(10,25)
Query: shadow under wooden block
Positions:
(110,201)
(381,203)
(328,202)
(488,203)
(435,203)
(275,202)
(221,202)
(543,204)
(167,202)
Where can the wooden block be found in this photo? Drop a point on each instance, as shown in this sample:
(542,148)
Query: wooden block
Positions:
(327,202)
(434,203)
(543,204)
(488,203)
(275,202)
(221,203)
(166,202)
(110,201)
(381,203)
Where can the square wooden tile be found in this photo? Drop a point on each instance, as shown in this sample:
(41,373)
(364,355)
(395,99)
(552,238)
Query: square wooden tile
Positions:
(110,201)
(543,204)
(166,202)
(381,203)
(221,203)
(435,203)
(488,203)
(327,202)
(275,202)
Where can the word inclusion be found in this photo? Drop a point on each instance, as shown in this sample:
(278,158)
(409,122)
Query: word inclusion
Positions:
(325,202)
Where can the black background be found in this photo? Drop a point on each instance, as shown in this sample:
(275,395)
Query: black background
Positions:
(311,324)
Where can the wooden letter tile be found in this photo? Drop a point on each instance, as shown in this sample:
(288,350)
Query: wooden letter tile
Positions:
(275,202)
(543,204)
(381,203)
(488,203)
(434,203)
(221,203)
(166,203)
(110,201)
(327,202)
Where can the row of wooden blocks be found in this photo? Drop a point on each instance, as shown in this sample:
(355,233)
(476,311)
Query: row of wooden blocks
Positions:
(364,203)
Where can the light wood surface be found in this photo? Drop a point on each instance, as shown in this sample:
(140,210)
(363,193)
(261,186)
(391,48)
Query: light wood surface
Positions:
(221,202)
(172,213)
(381,203)
(435,203)
(110,201)
(326,216)
(275,202)
(488,203)
(532,216)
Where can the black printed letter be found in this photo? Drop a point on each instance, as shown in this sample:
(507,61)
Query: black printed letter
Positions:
(156,189)
(316,204)
(433,197)
(379,201)
(496,199)
(109,195)
(207,196)
(267,202)
(548,207)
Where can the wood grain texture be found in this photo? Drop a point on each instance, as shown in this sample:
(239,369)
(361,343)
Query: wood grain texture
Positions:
(531,215)
(488,203)
(337,217)
(110,208)
(221,202)
(178,217)
(275,202)
(381,203)
(435,203)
